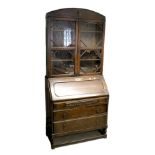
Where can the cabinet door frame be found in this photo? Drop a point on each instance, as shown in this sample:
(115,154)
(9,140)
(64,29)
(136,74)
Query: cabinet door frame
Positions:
(102,47)
(49,48)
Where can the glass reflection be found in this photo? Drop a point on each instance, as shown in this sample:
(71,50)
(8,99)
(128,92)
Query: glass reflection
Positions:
(67,37)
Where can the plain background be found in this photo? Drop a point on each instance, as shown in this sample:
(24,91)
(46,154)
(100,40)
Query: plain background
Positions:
(129,70)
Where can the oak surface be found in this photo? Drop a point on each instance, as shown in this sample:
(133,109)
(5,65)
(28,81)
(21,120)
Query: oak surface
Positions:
(76,93)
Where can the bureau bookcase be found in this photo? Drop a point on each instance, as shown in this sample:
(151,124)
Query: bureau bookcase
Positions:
(76,92)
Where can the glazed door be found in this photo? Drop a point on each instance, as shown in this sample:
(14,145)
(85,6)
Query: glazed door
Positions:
(62,43)
(74,47)
(90,47)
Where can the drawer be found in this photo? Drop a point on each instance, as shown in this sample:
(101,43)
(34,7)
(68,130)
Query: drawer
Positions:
(78,103)
(81,111)
(93,122)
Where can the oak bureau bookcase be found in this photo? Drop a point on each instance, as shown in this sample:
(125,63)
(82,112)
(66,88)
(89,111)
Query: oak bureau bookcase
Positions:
(76,92)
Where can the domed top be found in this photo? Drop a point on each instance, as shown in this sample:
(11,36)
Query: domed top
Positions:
(76,13)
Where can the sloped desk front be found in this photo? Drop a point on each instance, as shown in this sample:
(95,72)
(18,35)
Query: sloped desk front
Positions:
(77,87)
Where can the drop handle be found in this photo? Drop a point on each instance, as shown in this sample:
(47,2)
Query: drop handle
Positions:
(64,125)
(98,110)
(64,115)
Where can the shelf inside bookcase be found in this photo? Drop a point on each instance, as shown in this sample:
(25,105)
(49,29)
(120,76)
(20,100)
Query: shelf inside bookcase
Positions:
(61,60)
(91,48)
(89,59)
(62,30)
(91,31)
(63,48)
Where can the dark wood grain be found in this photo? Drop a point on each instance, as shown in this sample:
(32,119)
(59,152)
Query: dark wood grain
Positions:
(79,112)
(76,93)
(62,105)
(80,124)
(78,137)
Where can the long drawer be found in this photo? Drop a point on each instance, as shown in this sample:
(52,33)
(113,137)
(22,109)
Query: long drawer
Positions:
(78,103)
(81,111)
(93,122)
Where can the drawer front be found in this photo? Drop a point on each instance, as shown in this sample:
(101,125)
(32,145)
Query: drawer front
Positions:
(82,111)
(81,124)
(79,103)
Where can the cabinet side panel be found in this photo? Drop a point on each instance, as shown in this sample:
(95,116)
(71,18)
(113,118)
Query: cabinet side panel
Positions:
(48,110)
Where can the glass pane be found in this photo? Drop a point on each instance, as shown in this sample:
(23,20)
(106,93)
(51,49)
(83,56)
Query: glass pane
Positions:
(90,54)
(62,34)
(85,26)
(62,55)
(92,66)
(90,61)
(62,61)
(91,35)
(62,67)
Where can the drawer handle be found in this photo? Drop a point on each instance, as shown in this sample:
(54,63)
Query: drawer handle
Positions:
(64,126)
(88,103)
(98,110)
(93,102)
(64,115)
(72,104)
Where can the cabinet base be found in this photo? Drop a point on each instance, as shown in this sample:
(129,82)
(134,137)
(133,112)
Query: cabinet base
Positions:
(78,137)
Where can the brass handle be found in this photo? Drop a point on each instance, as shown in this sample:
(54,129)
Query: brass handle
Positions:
(91,103)
(72,104)
(82,102)
(98,110)
(64,126)
(64,115)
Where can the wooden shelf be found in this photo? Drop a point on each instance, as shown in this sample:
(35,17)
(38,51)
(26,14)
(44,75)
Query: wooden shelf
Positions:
(62,48)
(62,60)
(91,48)
(61,30)
(91,31)
(89,59)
